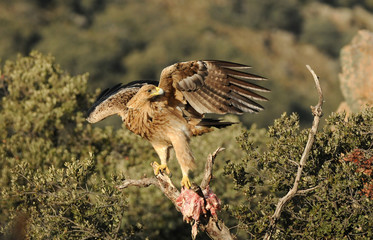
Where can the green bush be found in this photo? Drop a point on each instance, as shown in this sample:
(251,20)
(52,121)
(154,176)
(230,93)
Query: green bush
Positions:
(48,171)
(338,206)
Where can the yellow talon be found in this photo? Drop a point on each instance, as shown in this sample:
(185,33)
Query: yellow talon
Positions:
(161,168)
(185,182)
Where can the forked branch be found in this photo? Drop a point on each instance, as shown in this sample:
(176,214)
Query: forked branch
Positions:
(215,229)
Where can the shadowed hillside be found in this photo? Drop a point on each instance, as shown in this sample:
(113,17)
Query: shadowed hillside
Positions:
(121,41)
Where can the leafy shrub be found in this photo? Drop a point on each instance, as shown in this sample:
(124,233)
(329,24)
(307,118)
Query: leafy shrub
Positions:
(48,172)
(338,206)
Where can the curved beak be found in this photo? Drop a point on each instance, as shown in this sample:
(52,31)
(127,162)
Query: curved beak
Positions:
(158,91)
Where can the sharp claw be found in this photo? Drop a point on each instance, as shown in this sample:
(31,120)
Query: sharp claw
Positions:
(167,171)
(185,182)
(161,168)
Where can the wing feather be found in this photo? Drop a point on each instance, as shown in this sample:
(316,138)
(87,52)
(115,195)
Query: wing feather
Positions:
(213,86)
(196,101)
(247,103)
(243,75)
(211,100)
(247,93)
(227,64)
(246,85)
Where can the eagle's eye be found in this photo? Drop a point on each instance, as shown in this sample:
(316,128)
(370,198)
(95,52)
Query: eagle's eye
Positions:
(149,90)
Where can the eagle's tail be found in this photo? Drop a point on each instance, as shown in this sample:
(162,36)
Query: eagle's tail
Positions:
(206,124)
(211,122)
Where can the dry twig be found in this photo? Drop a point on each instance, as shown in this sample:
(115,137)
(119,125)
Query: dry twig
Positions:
(317,113)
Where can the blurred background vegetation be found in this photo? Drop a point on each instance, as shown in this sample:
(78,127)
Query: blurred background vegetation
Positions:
(58,173)
(121,41)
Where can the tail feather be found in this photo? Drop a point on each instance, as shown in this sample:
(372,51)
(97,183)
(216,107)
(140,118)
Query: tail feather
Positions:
(205,125)
(211,122)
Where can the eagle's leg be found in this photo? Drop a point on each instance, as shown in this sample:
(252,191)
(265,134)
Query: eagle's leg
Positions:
(164,154)
(184,156)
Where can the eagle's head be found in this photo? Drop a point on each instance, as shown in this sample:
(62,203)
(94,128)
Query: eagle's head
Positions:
(150,92)
(145,97)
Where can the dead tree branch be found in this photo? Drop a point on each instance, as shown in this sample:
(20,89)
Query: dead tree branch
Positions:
(317,113)
(145,182)
(305,191)
(215,229)
(208,168)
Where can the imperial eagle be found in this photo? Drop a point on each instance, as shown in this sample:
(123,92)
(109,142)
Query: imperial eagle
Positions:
(169,112)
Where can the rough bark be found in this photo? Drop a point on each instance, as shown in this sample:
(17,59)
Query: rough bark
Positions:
(214,229)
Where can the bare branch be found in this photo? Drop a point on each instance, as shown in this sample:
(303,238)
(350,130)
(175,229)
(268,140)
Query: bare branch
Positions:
(167,187)
(305,191)
(317,112)
(208,168)
(145,182)
(293,162)
(215,229)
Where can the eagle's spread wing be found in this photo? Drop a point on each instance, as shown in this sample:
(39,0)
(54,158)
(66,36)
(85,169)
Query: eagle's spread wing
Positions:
(195,88)
(212,87)
(114,100)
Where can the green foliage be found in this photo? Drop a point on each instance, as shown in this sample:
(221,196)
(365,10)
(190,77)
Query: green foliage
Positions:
(47,171)
(337,207)
(40,103)
(66,203)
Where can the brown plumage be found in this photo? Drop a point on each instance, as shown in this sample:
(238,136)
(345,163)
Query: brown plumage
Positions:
(168,115)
